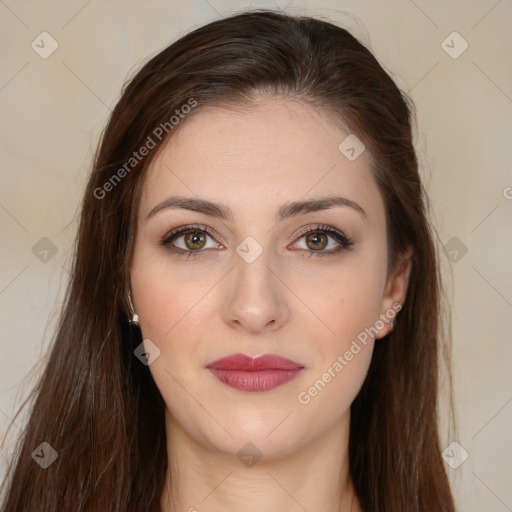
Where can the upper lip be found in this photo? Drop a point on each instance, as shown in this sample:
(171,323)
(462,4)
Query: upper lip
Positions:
(252,364)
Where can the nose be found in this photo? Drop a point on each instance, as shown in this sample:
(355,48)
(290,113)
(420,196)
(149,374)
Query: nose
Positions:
(256,301)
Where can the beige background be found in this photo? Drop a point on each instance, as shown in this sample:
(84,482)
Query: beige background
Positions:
(53,110)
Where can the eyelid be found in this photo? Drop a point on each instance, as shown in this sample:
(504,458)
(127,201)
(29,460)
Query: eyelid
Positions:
(344,242)
(166,239)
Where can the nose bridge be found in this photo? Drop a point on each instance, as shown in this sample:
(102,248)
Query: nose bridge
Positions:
(255,298)
(253,268)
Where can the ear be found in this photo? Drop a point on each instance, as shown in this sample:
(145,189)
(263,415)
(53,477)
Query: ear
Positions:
(395,291)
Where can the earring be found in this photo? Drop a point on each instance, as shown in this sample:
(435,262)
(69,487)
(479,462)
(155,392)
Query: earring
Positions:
(134,320)
(391,324)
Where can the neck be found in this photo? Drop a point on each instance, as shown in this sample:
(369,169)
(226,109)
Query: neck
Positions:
(313,477)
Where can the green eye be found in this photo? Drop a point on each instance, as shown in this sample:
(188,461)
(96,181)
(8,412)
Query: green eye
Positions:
(317,240)
(194,240)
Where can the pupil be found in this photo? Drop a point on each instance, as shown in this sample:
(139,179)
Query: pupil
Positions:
(195,238)
(316,239)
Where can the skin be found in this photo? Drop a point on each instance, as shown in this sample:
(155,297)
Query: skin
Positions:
(289,301)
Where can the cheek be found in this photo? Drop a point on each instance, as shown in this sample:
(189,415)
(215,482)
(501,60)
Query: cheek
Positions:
(171,309)
(175,312)
(350,308)
(166,296)
(332,387)
(343,353)
(348,300)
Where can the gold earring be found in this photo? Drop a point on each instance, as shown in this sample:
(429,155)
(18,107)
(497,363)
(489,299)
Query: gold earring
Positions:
(134,320)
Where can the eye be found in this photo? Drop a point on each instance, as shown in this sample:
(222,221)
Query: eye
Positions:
(316,240)
(190,240)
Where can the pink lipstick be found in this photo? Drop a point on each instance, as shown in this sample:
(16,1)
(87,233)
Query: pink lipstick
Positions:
(254,374)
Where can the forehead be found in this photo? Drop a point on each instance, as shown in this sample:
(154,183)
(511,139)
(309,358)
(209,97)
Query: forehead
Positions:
(259,157)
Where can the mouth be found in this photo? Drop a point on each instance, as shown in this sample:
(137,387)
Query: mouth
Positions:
(250,374)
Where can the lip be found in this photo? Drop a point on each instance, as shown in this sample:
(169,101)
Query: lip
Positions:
(251,374)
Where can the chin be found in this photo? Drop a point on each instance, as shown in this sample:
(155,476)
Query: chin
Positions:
(264,433)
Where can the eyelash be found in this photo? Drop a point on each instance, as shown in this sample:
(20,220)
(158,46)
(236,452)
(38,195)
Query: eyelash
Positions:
(345,242)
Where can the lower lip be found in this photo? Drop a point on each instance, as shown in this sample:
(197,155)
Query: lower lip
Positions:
(262,380)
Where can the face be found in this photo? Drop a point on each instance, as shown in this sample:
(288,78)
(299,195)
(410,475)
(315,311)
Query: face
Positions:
(261,273)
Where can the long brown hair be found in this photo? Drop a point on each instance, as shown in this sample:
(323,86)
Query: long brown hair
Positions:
(99,407)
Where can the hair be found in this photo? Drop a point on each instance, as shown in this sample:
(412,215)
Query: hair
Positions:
(100,409)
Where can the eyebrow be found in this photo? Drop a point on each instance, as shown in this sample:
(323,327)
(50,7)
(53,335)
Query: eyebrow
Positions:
(224,212)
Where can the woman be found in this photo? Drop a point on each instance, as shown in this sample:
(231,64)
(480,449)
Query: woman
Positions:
(253,319)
